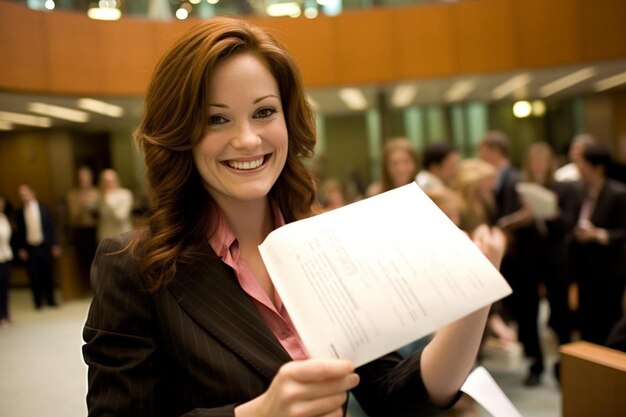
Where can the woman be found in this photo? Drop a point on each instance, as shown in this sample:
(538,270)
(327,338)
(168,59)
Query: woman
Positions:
(185,319)
(541,247)
(399,166)
(474,182)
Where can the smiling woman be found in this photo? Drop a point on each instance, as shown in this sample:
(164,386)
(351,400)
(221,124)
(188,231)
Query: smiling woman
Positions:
(185,319)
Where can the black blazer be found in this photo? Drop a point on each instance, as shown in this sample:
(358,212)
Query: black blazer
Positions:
(506,196)
(609,213)
(47,226)
(198,347)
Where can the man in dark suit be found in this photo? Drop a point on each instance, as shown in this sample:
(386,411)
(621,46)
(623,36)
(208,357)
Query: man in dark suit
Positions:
(35,245)
(598,249)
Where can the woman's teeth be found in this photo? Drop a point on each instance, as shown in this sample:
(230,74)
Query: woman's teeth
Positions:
(245,164)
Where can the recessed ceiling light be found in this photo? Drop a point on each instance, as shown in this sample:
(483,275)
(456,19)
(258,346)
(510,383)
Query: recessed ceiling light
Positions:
(404,95)
(59,112)
(100,107)
(510,86)
(610,82)
(353,98)
(567,81)
(25,119)
(460,90)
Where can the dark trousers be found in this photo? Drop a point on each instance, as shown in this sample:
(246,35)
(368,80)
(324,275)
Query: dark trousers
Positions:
(85,247)
(599,305)
(540,262)
(40,274)
(5,270)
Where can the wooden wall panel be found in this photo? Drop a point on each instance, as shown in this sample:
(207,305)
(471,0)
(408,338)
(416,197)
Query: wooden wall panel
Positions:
(75,54)
(602,28)
(483,36)
(547,32)
(23,52)
(423,41)
(312,44)
(365,49)
(67,53)
(127,55)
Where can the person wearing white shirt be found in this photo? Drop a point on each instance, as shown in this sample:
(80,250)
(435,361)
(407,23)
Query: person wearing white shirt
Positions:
(115,208)
(569,172)
(6,256)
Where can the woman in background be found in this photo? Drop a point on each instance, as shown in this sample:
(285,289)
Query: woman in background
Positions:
(399,166)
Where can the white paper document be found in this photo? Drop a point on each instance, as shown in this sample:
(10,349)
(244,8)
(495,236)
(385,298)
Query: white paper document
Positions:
(543,203)
(481,386)
(368,278)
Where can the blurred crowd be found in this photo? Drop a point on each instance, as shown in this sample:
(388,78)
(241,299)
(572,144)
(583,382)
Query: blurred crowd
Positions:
(573,256)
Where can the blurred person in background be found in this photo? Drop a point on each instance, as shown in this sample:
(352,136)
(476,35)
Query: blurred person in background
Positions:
(474,182)
(36,247)
(569,172)
(115,206)
(598,249)
(82,210)
(331,194)
(541,246)
(474,185)
(494,148)
(440,163)
(399,166)
(6,256)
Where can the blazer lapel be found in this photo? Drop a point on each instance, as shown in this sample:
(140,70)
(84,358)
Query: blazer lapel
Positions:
(209,292)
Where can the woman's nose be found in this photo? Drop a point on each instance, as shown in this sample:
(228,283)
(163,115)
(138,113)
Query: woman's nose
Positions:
(246,137)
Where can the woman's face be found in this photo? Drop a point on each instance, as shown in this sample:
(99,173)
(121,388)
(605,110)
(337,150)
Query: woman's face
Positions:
(401,167)
(539,165)
(245,144)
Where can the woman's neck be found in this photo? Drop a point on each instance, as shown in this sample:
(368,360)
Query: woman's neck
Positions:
(251,222)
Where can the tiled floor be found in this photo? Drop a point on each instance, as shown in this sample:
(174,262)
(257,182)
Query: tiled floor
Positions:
(42,372)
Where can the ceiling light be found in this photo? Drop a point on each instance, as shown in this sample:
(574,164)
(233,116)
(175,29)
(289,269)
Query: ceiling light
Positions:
(353,98)
(610,82)
(5,125)
(522,109)
(283,9)
(25,119)
(100,107)
(539,108)
(567,81)
(460,90)
(311,12)
(49,5)
(59,112)
(181,14)
(104,13)
(510,86)
(404,95)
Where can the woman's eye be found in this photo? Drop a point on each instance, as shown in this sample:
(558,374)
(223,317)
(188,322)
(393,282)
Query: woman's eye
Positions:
(265,113)
(217,120)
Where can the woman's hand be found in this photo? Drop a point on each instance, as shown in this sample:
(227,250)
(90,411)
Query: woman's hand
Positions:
(491,241)
(312,387)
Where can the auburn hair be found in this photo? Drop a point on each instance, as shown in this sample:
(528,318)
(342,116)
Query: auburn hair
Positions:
(174,121)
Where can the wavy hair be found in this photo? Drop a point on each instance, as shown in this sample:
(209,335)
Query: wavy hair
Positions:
(174,121)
